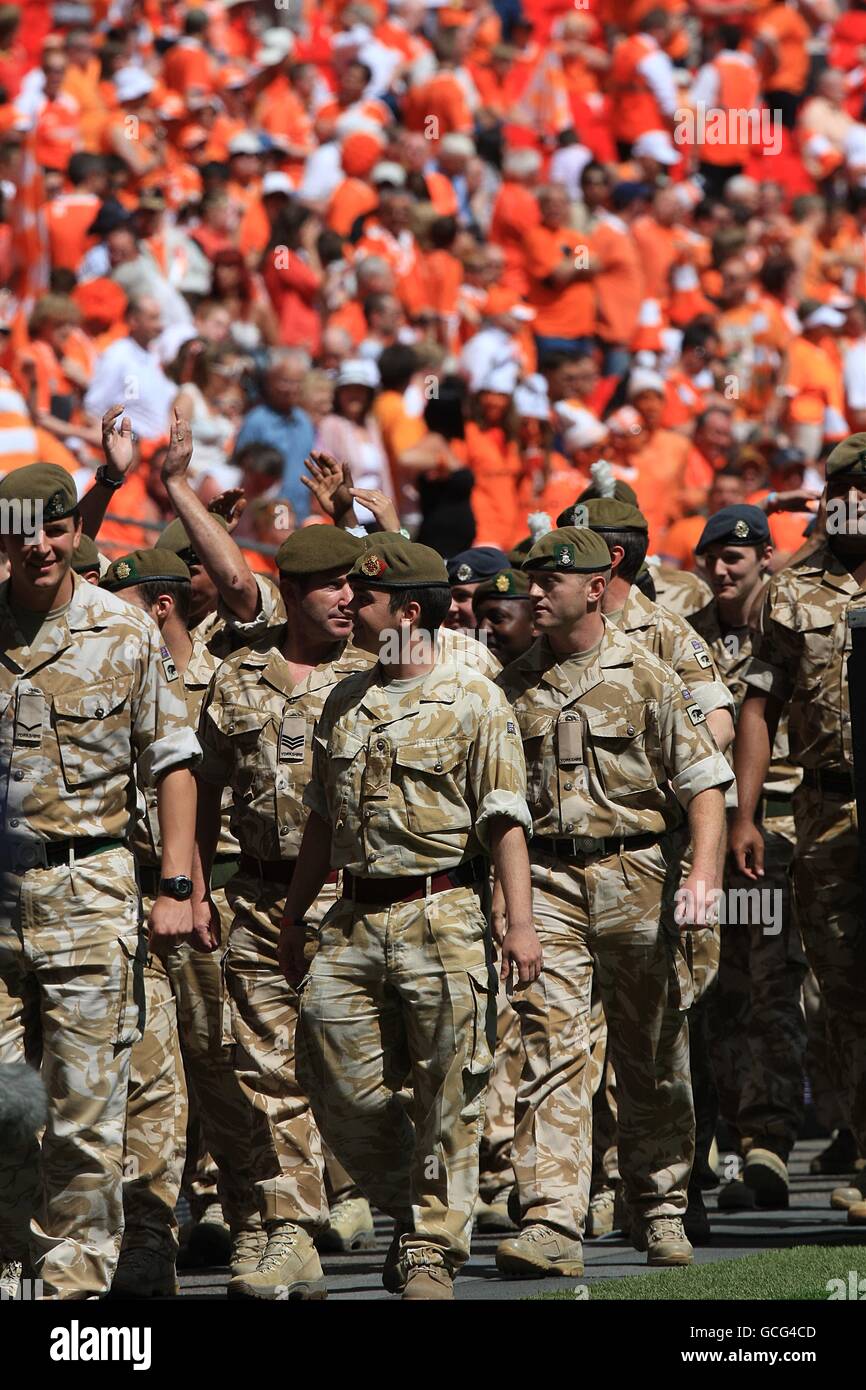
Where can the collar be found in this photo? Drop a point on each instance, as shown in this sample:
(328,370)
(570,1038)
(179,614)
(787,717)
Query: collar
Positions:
(439,687)
(827,569)
(83,615)
(614,652)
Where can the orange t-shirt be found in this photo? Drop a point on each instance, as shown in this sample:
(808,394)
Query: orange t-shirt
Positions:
(661,467)
(495,464)
(619,283)
(560,489)
(790,68)
(188,64)
(560,311)
(514,212)
(816,380)
(680,541)
(67,219)
(438,106)
(350,200)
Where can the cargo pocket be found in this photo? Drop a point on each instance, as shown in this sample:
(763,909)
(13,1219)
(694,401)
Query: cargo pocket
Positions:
(131,1005)
(483,1021)
(227,1039)
(681,993)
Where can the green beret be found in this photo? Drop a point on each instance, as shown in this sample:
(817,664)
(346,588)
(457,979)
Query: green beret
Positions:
(849,457)
(42,483)
(315,549)
(569,550)
(517,554)
(622,492)
(390,561)
(85,556)
(508,584)
(609,514)
(175,537)
(143,567)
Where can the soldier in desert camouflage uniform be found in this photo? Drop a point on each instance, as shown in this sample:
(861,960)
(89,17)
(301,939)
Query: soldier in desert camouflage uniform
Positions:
(256,729)
(615,744)
(756,1018)
(417,770)
(84,698)
(799,667)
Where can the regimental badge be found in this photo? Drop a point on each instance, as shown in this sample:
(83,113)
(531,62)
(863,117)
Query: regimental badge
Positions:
(168,665)
(464,574)
(55,506)
(502,583)
(372,566)
(696,714)
(741,530)
(564,556)
(510,727)
(123,571)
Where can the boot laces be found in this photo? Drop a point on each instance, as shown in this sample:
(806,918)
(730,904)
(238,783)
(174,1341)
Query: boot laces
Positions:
(277,1249)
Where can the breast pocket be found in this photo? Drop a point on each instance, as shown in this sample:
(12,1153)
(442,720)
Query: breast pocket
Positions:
(618,752)
(344,768)
(822,646)
(432,778)
(92,728)
(537,734)
(250,749)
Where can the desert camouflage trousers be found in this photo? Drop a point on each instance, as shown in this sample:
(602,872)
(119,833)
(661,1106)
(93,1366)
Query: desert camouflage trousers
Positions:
(497,1172)
(181,1054)
(155,1136)
(756,1023)
(71,1000)
(395,996)
(609,921)
(829,906)
(259,1021)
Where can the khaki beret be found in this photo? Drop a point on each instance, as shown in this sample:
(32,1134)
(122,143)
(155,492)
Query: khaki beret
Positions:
(316,549)
(609,514)
(85,556)
(390,561)
(143,567)
(622,492)
(569,550)
(508,584)
(176,537)
(45,484)
(849,457)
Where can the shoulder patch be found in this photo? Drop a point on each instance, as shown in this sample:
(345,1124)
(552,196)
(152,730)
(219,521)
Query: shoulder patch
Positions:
(510,727)
(168,665)
(696,714)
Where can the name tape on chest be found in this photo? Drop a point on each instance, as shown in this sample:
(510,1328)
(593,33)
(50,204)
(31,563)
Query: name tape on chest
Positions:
(570,742)
(293,738)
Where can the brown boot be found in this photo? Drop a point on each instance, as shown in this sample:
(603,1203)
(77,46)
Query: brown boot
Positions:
(427,1275)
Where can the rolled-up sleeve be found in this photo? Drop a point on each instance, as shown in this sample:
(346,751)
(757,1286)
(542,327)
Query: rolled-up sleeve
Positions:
(692,760)
(271,612)
(497,769)
(161,732)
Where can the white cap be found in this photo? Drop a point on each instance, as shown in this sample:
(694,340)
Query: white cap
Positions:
(245,143)
(585,431)
(358,372)
(625,421)
(531,399)
(131,84)
(685,277)
(351,122)
(455,143)
(501,378)
(825,317)
(388,171)
(644,380)
(649,314)
(274,41)
(657,145)
(276,182)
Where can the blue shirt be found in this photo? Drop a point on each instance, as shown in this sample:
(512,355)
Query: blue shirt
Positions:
(293,436)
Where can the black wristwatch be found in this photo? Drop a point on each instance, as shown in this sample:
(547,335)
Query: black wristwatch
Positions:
(179,887)
(104,481)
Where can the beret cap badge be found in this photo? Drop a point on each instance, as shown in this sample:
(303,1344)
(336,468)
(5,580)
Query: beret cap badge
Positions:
(564,555)
(123,570)
(741,530)
(464,573)
(502,583)
(372,566)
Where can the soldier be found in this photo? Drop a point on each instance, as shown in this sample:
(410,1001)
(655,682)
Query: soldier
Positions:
(503,612)
(85,560)
(256,728)
(615,743)
(756,1018)
(417,772)
(465,572)
(799,667)
(86,697)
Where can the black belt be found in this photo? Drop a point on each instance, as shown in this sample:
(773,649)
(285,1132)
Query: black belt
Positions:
(272,870)
(581,846)
(782,804)
(385,891)
(832,783)
(16,856)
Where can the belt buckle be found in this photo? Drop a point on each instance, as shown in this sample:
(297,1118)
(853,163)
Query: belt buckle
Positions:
(28,854)
(584,844)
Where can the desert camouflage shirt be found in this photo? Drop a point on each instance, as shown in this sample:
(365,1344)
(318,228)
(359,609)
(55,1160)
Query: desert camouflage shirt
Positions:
(732,651)
(222,633)
(466,650)
(409,783)
(611,747)
(256,731)
(94,704)
(802,653)
(679,591)
(673,641)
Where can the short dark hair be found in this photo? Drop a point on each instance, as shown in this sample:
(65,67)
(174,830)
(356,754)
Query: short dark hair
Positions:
(434,604)
(178,589)
(82,166)
(635,545)
(397,366)
(373,304)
